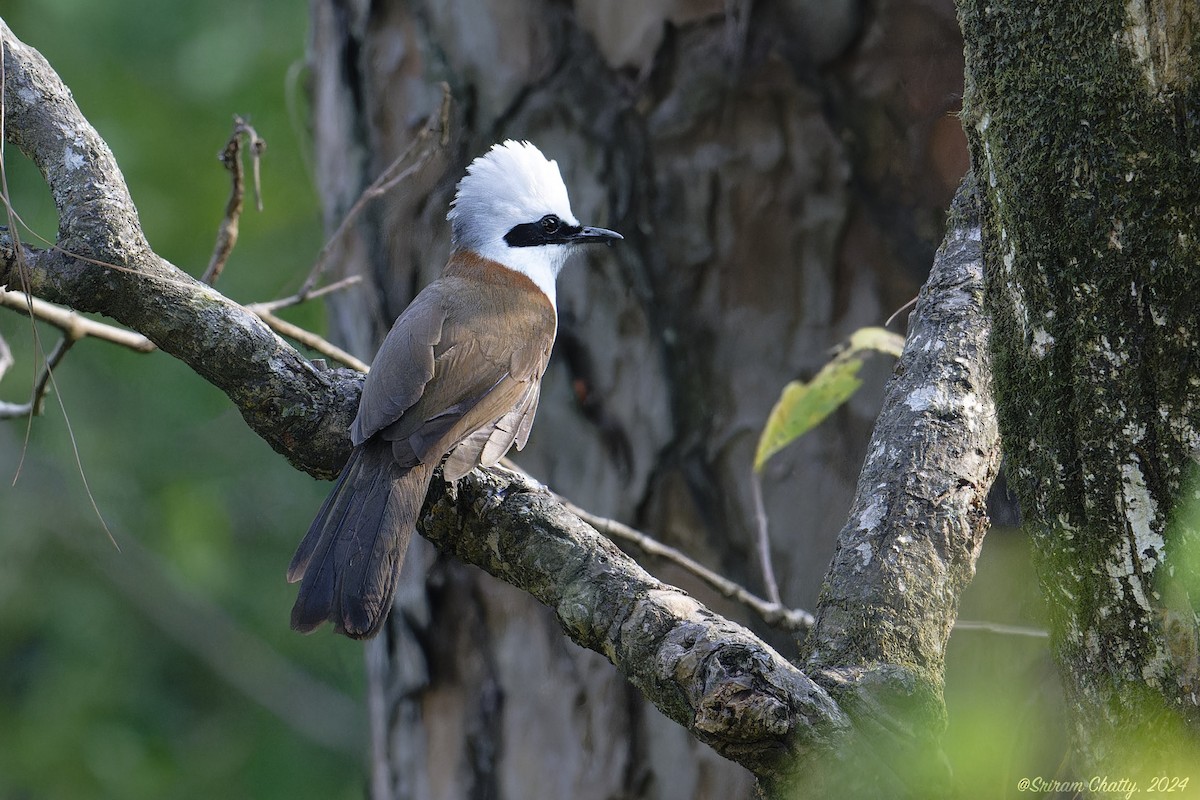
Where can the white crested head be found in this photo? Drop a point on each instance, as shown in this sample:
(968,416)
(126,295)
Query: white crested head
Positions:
(507,192)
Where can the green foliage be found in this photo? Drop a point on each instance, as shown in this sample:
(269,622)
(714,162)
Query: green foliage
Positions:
(102,692)
(1004,701)
(803,405)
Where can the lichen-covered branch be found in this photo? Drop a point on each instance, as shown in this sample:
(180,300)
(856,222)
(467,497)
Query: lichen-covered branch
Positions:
(101,262)
(708,674)
(919,514)
(890,598)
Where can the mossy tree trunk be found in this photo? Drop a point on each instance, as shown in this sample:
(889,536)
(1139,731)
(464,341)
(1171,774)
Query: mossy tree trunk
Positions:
(1084,127)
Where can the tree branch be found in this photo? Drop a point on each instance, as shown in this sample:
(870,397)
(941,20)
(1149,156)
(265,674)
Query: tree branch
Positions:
(918,519)
(714,677)
(919,514)
(102,263)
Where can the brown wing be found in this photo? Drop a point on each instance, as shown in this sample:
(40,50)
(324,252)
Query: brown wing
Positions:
(404,364)
(488,444)
(488,353)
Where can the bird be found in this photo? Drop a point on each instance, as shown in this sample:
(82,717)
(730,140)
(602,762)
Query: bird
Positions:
(456,379)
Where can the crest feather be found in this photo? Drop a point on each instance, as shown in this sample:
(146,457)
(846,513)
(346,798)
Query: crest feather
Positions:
(510,184)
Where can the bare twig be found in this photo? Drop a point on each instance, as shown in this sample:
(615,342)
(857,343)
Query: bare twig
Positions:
(271,306)
(37,402)
(6,357)
(231,157)
(266,312)
(310,340)
(900,310)
(73,324)
(764,539)
(391,177)
(1000,628)
(774,614)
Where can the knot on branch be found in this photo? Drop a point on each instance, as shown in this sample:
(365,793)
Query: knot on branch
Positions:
(741,704)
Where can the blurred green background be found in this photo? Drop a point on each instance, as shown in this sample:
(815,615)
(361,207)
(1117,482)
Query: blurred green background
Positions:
(168,670)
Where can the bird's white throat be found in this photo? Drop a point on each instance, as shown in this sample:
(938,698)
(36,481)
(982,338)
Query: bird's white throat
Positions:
(540,264)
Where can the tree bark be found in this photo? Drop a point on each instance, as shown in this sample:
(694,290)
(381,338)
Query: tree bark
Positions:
(744,151)
(1082,121)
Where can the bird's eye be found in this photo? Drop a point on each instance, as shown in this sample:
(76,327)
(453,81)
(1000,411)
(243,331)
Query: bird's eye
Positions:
(551,224)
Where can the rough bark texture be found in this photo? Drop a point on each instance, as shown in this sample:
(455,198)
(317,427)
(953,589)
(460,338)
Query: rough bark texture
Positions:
(780,172)
(1084,122)
(710,676)
(889,600)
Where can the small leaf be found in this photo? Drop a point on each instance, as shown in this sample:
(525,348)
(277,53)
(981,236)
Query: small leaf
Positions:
(802,406)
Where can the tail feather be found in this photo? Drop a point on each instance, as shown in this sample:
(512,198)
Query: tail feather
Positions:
(350,559)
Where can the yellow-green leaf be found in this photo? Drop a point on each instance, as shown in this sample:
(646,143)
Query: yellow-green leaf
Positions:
(802,406)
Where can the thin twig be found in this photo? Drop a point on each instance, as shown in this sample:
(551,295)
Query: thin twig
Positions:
(1000,628)
(38,401)
(900,310)
(391,177)
(272,306)
(72,323)
(231,157)
(774,614)
(266,312)
(764,540)
(309,339)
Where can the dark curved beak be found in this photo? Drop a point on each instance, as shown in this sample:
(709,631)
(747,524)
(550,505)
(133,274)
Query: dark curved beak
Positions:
(594,236)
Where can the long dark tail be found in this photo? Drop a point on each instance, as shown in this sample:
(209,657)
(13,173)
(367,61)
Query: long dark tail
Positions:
(350,558)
